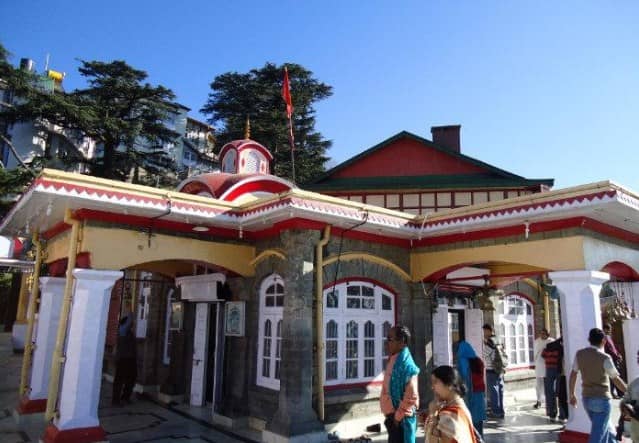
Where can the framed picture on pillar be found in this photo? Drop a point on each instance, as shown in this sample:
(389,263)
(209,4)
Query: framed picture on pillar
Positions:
(234,316)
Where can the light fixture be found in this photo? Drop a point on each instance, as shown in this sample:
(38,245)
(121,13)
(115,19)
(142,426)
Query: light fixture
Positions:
(200,228)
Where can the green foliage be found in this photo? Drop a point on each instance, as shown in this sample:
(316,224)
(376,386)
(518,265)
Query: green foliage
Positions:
(120,112)
(14,79)
(12,184)
(257,94)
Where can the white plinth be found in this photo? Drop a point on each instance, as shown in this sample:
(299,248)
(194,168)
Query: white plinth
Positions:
(80,390)
(580,312)
(51,294)
(631,347)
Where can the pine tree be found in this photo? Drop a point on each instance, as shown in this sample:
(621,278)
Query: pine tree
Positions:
(123,115)
(257,94)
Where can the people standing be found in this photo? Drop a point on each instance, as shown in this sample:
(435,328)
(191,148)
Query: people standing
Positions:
(553,355)
(596,368)
(449,420)
(611,349)
(399,399)
(540,365)
(495,369)
(125,362)
(472,372)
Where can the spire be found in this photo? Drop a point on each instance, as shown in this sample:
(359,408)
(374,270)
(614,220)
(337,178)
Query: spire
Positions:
(247,130)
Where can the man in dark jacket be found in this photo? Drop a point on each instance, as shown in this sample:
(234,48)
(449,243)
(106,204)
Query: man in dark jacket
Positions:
(555,380)
(125,362)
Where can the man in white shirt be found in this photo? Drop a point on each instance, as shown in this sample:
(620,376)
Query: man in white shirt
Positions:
(540,365)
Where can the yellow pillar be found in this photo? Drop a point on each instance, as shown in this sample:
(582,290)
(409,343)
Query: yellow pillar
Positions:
(23,300)
(58,352)
(33,308)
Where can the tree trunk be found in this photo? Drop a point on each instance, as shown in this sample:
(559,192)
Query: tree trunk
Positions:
(108,160)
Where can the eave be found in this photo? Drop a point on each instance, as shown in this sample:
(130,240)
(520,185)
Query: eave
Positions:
(42,208)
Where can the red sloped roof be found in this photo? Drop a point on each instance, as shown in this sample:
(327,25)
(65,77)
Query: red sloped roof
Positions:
(407,156)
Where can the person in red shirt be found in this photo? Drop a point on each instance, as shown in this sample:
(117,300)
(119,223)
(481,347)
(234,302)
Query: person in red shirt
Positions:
(611,349)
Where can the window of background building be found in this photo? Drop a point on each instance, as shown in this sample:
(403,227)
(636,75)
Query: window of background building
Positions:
(377,200)
(463,198)
(444,200)
(480,197)
(392,201)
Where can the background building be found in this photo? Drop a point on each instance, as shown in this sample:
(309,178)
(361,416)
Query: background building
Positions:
(190,153)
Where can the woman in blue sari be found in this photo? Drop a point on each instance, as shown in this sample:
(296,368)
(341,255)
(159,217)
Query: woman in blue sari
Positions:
(475,397)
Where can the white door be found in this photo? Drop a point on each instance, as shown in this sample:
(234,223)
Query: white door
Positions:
(474,334)
(200,345)
(442,349)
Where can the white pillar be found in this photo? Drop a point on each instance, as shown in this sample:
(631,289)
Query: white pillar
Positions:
(51,293)
(81,379)
(631,346)
(580,312)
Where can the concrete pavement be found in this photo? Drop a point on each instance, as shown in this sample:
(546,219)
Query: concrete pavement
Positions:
(147,421)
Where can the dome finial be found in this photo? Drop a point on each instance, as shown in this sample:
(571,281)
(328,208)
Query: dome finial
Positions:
(247,129)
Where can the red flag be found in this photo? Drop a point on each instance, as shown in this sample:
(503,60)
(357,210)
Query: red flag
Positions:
(286,94)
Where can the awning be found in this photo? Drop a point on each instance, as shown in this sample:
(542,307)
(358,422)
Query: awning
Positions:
(9,264)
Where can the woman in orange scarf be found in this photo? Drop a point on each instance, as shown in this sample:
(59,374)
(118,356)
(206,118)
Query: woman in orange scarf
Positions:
(449,419)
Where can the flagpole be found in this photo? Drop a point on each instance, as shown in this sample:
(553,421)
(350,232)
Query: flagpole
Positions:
(286,95)
(292,142)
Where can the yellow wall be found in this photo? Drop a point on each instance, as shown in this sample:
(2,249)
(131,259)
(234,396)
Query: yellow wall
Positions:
(553,254)
(113,248)
(57,247)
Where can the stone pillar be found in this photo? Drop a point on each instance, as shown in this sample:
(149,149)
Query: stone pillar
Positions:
(580,312)
(82,375)
(51,293)
(295,419)
(421,335)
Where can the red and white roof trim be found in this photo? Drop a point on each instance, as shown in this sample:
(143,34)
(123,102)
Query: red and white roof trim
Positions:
(604,202)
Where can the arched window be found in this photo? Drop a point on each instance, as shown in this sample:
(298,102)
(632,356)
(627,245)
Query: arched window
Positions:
(270,332)
(357,318)
(517,331)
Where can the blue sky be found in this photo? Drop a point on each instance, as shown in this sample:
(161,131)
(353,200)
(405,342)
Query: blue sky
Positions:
(542,89)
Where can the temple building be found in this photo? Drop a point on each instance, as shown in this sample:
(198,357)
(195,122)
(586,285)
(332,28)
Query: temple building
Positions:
(269,305)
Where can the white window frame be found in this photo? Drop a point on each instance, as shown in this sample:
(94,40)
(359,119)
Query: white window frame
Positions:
(380,318)
(516,314)
(274,314)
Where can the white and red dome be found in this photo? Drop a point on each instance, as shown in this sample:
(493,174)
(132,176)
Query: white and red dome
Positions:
(245,175)
(245,157)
